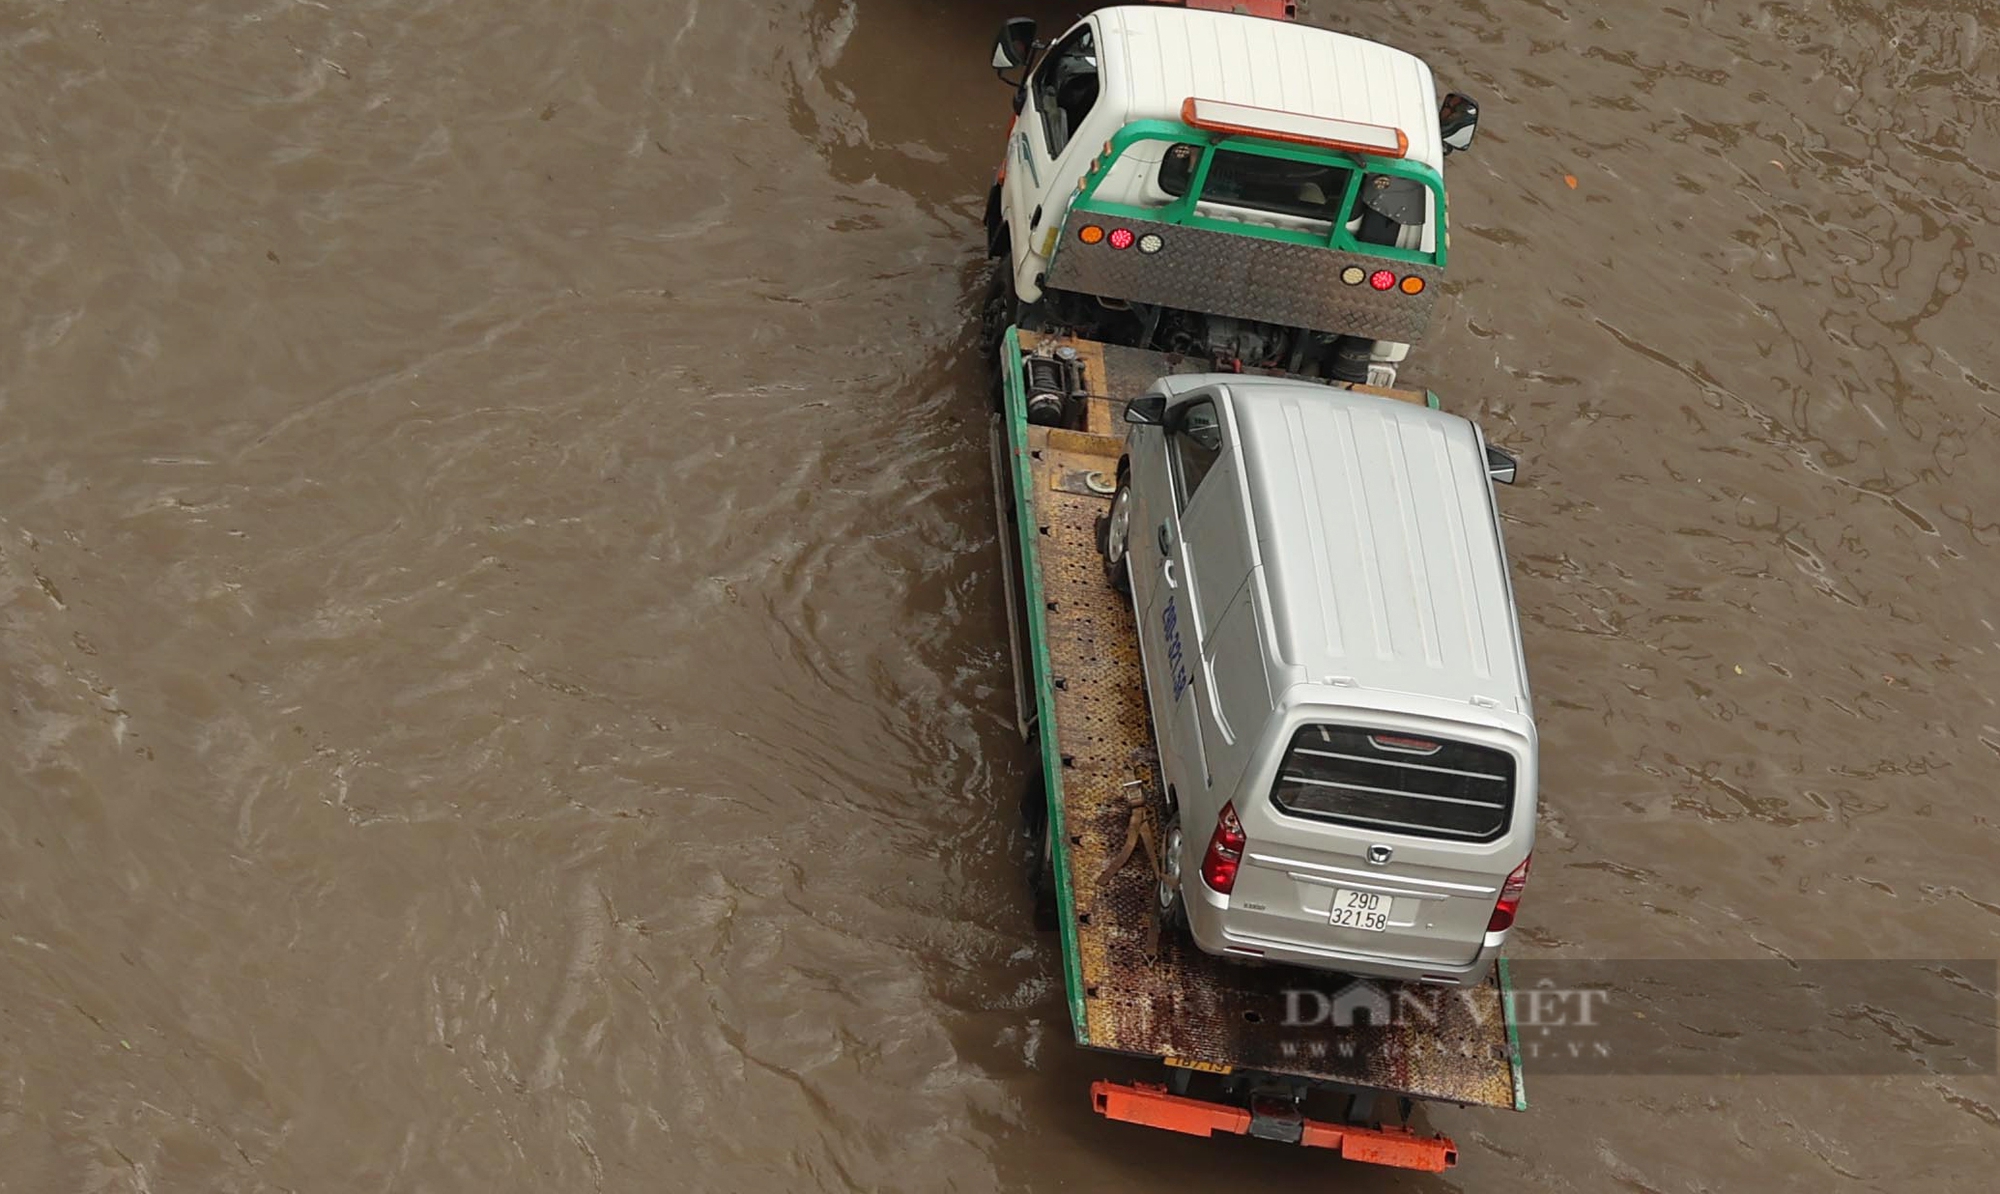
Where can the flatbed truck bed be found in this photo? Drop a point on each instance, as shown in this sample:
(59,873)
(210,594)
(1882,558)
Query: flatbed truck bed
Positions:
(1216,1024)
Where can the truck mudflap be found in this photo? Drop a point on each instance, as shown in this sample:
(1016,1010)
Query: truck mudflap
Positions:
(1132,989)
(1152,1106)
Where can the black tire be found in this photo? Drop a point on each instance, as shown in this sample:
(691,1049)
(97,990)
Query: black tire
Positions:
(996,238)
(1117,568)
(997,312)
(999,309)
(1041,868)
(1042,882)
(996,390)
(1168,903)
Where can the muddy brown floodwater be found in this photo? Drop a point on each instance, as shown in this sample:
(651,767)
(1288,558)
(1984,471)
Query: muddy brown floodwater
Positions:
(505,682)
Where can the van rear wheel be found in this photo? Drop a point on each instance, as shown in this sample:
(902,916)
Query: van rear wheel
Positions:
(1167,901)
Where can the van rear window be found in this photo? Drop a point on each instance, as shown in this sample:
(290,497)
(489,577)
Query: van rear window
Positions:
(1370,779)
(1312,190)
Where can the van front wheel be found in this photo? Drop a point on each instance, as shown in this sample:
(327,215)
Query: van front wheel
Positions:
(1118,538)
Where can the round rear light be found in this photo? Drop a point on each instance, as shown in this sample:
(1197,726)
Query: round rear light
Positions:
(1382,279)
(1151,243)
(1413,285)
(1090,234)
(1354,275)
(1121,238)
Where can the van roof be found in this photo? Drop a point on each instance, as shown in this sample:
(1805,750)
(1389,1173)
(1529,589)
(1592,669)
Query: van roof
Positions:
(1158,56)
(1380,542)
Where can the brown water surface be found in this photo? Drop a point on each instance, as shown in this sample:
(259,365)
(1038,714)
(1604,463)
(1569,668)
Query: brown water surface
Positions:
(501,646)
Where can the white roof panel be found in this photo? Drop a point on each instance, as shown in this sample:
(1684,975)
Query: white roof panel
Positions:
(1380,542)
(1158,57)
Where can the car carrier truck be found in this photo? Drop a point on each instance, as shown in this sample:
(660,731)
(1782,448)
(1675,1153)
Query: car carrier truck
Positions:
(1243,1048)
(1203,187)
(1234,187)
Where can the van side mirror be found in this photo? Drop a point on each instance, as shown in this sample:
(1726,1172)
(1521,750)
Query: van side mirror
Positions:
(1501,466)
(1147,411)
(1458,120)
(1013,47)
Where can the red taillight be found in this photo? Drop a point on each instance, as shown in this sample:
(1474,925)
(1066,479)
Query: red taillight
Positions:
(1122,238)
(1510,898)
(1382,279)
(1225,852)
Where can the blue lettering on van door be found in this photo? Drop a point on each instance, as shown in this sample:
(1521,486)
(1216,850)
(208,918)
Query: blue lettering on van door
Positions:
(1170,626)
(1028,159)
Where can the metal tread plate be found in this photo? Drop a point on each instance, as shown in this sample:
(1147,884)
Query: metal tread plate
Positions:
(1165,998)
(1201,269)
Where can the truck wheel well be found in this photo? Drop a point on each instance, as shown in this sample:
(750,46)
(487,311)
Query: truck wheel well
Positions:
(997,239)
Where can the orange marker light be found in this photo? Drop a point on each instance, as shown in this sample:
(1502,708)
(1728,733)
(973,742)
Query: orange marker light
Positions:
(1413,285)
(1220,117)
(1090,234)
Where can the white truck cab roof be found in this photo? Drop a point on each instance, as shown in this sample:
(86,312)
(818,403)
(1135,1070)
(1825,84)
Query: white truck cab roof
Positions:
(1155,57)
(1380,543)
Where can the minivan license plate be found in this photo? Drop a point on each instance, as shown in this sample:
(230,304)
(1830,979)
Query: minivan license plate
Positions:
(1360,910)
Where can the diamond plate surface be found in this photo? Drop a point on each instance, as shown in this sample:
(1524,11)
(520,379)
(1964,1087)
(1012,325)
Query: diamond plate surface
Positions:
(1248,277)
(1165,998)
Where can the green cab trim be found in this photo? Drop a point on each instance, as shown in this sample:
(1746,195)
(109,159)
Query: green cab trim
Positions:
(1182,210)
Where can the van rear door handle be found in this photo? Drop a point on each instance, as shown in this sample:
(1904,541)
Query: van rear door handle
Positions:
(1166,541)
(1167,574)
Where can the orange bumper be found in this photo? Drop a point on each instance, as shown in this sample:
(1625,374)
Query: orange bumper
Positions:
(1150,1105)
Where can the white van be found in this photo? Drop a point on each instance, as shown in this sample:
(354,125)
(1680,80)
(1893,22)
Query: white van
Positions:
(1335,674)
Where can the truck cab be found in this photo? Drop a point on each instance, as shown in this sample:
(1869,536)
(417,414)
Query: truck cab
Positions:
(1231,187)
(1334,671)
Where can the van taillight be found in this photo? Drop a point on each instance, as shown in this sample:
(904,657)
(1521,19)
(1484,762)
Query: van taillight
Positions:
(1510,898)
(1225,852)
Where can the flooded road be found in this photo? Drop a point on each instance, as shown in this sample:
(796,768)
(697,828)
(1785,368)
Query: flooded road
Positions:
(502,641)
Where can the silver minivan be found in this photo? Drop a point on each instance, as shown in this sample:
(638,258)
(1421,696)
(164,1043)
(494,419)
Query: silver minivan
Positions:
(1335,674)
